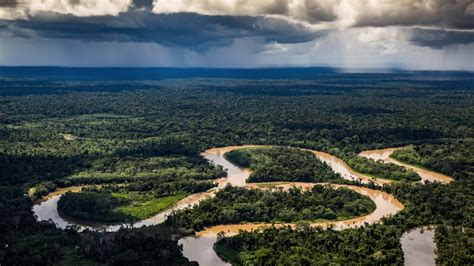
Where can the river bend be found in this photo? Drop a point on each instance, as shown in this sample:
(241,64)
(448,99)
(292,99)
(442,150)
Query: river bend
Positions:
(200,247)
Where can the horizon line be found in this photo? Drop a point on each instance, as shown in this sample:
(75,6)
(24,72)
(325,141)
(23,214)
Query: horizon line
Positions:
(396,69)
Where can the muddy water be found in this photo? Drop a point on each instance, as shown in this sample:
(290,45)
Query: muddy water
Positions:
(340,167)
(385,203)
(384,155)
(200,247)
(47,209)
(419,247)
(236,176)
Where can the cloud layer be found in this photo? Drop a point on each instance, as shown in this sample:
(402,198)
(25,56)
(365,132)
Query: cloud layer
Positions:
(274,27)
(449,14)
(189,30)
(454,14)
(302,10)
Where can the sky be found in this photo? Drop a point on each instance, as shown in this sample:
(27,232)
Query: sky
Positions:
(406,34)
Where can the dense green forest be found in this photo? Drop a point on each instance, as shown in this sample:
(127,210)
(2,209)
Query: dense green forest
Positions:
(374,245)
(235,205)
(28,242)
(291,164)
(148,135)
(382,170)
(113,207)
(455,245)
(281,164)
(453,158)
(93,206)
(128,202)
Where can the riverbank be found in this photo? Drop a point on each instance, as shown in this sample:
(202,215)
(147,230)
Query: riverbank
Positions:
(386,204)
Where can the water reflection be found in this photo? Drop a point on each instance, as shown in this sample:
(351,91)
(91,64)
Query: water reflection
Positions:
(419,247)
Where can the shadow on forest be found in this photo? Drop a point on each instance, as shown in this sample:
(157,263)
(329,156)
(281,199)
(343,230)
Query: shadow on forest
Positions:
(17,169)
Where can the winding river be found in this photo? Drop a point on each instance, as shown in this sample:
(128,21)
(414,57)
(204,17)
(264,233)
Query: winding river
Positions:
(426,175)
(200,247)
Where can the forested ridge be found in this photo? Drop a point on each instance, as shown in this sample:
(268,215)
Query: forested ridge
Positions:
(148,136)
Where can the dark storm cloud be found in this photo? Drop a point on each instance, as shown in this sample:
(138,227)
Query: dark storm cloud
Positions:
(201,24)
(143,4)
(9,3)
(181,29)
(453,14)
(440,38)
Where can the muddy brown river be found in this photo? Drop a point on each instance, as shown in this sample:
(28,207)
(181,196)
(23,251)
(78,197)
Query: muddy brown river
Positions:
(200,246)
(426,175)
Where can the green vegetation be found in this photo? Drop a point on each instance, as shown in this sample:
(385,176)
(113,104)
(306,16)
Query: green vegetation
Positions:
(281,164)
(306,245)
(236,205)
(432,203)
(226,252)
(69,163)
(455,245)
(452,158)
(380,169)
(41,189)
(29,242)
(375,169)
(113,207)
(126,247)
(92,206)
(148,135)
(427,204)
(144,208)
(128,202)
(130,169)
